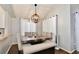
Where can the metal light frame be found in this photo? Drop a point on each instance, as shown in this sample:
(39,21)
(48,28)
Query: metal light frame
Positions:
(35,17)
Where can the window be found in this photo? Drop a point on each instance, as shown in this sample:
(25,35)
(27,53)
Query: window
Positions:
(49,25)
(27,26)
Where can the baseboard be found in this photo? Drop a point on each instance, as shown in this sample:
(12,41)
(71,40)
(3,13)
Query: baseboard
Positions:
(73,51)
(57,48)
(10,47)
(77,50)
(70,52)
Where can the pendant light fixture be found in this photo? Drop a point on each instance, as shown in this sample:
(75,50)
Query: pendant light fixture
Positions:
(35,16)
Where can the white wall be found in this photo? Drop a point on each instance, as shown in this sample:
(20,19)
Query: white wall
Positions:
(64,28)
(2,19)
(74,8)
(5,44)
(15,29)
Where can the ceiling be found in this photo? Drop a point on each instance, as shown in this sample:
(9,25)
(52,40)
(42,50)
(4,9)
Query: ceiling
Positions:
(26,10)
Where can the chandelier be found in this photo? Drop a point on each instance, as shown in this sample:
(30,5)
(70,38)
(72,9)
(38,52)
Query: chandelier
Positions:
(35,16)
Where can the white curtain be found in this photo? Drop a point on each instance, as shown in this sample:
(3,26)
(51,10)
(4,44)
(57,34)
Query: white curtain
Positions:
(27,26)
(77,30)
(49,25)
(32,27)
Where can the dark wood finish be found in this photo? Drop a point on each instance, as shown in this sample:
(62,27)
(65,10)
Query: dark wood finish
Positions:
(46,51)
(60,51)
(14,50)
